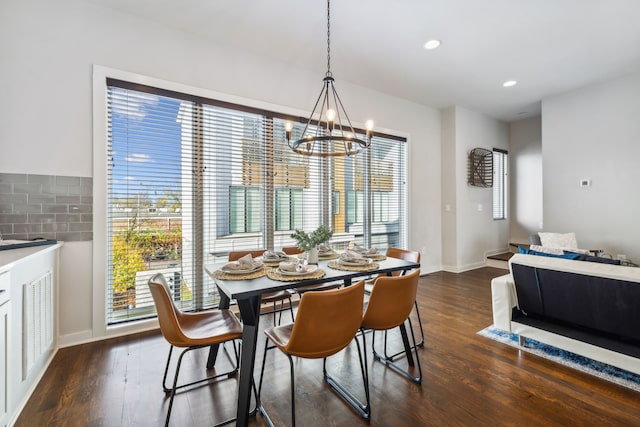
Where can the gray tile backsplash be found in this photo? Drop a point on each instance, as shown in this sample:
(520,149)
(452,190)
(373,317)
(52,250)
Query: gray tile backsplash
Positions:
(47,206)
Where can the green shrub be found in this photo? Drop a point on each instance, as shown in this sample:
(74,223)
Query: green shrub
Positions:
(127,261)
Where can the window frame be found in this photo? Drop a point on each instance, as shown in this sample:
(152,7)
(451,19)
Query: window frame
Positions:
(500,184)
(100,135)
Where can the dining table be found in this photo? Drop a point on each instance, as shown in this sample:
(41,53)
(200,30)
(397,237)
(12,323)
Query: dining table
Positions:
(247,293)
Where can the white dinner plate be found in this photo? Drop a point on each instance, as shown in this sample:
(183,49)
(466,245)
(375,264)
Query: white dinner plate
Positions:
(283,258)
(308,270)
(252,270)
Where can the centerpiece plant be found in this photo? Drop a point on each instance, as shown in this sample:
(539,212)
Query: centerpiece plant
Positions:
(309,242)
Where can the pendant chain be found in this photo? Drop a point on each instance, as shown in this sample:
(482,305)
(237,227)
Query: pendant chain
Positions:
(328,40)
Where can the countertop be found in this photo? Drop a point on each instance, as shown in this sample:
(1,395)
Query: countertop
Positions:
(9,257)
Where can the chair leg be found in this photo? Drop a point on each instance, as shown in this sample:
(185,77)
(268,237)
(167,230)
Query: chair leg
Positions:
(166,370)
(364,409)
(293,392)
(173,389)
(419,344)
(229,374)
(176,387)
(259,406)
(391,364)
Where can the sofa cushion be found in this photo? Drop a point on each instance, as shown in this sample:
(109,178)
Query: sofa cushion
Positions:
(588,268)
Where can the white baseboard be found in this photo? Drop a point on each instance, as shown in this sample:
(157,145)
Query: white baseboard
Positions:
(463,268)
(75,338)
(87,336)
(497,264)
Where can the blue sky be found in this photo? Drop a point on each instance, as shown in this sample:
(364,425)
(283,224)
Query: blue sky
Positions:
(146,144)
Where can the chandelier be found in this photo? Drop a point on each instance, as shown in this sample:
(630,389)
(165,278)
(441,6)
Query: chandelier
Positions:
(332,133)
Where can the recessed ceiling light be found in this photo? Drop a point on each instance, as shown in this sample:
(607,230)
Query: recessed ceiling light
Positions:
(509,83)
(432,44)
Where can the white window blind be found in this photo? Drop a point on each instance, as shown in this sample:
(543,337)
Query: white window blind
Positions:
(191,179)
(500,183)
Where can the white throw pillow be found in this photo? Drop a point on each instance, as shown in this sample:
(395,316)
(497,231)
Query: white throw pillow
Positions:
(559,240)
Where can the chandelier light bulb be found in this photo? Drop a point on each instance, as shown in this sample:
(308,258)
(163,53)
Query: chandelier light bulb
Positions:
(331,115)
(288,127)
(369,124)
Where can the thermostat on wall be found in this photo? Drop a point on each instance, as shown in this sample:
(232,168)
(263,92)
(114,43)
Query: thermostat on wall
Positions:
(585,183)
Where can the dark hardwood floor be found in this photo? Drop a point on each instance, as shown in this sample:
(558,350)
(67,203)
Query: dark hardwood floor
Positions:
(468,380)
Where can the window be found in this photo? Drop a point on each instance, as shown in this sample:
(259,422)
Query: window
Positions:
(244,209)
(191,178)
(500,187)
(289,208)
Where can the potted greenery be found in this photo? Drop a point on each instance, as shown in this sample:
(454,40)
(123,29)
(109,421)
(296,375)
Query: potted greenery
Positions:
(309,242)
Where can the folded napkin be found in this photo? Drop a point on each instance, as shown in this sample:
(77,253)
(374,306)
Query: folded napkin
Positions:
(324,249)
(365,251)
(274,255)
(242,264)
(353,257)
(292,267)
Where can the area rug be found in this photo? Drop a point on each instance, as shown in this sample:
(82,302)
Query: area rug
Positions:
(575,361)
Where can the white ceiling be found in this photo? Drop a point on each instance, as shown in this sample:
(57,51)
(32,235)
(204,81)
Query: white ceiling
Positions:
(548,46)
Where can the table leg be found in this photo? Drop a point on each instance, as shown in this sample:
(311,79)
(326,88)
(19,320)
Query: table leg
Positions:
(250,312)
(213,350)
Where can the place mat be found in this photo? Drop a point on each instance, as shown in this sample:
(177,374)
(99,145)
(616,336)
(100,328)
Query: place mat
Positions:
(330,256)
(221,275)
(274,275)
(366,267)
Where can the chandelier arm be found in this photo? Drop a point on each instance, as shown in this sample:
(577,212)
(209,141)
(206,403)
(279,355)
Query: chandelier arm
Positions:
(335,93)
(304,131)
(339,111)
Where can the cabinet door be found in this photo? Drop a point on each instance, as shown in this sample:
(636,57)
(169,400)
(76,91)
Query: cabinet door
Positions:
(4,336)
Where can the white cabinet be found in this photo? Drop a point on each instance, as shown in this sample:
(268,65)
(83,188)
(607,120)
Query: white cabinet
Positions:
(28,327)
(4,347)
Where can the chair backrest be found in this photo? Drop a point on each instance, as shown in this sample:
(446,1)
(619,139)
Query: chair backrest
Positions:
(391,301)
(407,255)
(326,321)
(236,255)
(168,314)
(292,250)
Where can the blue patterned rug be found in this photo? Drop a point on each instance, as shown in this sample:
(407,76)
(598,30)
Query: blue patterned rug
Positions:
(575,361)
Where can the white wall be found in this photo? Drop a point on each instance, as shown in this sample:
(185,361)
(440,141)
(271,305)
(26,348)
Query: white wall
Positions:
(449,178)
(594,133)
(525,178)
(476,233)
(48,50)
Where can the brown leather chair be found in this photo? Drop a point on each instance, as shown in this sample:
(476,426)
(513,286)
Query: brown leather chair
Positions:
(294,250)
(389,306)
(411,256)
(326,323)
(191,331)
(270,297)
